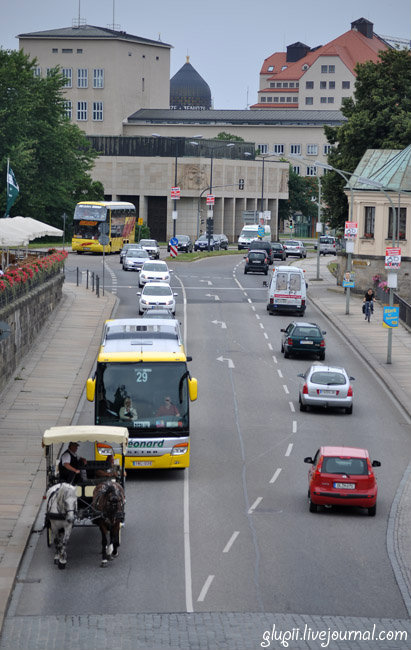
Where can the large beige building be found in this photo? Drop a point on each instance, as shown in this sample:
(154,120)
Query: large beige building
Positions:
(109,74)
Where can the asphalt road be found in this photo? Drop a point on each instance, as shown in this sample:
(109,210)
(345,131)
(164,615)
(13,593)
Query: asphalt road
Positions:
(233,533)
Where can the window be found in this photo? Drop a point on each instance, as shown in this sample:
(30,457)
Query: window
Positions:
(309,84)
(48,71)
(312,149)
(37,71)
(270,68)
(82,78)
(324,69)
(309,101)
(97,111)
(98,78)
(292,84)
(289,100)
(295,100)
(262,100)
(295,149)
(346,84)
(278,148)
(326,150)
(401,223)
(330,100)
(68,77)
(331,69)
(79,50)
(262,148)
(311,170)
(55,50)
(82,111)
(369,219)
(297,84)
(331,84)
(323,100)
(323,84)
(282,100)
(68,108)
(270,100)
(296,170)
(142,84)
(279,84)
(272,85)
(285,84)
(275,100)
(157,58)
(67,50)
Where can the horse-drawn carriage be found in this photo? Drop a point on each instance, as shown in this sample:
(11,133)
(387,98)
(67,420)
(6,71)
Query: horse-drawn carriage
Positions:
(97,495)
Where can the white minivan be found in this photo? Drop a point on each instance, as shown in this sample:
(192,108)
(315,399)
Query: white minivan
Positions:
(287,291)
(250,232)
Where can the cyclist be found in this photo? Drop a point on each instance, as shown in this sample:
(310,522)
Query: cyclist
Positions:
(368,307)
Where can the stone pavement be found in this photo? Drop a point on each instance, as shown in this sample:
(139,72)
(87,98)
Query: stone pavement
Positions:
(46,391)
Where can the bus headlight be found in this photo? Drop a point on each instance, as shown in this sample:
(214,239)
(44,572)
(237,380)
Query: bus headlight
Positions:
(180,449)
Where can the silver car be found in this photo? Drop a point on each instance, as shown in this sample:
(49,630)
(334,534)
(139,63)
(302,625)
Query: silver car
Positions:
(152,248)
(134,259)
(295,247)
(326,386)
(127,247)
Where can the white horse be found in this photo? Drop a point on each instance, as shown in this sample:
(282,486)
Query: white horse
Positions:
(61,511)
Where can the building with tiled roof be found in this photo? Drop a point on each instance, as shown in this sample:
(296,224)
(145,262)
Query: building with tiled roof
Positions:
(316,78)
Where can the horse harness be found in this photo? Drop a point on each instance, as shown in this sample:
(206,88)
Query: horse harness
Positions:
(52,501)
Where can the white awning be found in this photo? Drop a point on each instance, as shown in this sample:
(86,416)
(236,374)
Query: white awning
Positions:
(19,231)
(86,433)
(12,235)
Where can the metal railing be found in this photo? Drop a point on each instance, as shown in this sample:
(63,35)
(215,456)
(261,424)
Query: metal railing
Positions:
(405,307)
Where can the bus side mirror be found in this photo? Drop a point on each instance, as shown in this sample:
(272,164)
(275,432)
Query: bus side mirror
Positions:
(192,388)
(90,389)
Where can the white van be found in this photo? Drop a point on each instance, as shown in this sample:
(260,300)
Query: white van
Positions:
(249,233)
(287,291)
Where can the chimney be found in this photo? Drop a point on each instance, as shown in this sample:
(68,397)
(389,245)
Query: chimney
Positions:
(296,51)
(363,26)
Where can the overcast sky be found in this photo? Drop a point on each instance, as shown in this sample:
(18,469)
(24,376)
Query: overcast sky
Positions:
(227,40)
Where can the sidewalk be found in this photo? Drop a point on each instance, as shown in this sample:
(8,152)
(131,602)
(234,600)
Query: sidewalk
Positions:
(45,392)
(370,341)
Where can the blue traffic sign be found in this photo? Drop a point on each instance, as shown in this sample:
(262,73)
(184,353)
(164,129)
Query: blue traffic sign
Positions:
(174,241)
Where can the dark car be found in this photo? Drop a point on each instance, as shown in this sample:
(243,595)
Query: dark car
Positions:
(201,244)
(301,336)
(256,262)
(223,241)
(259,244)
(278,251)
(185,245)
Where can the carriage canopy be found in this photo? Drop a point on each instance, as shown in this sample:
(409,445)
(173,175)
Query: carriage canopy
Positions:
(86,433)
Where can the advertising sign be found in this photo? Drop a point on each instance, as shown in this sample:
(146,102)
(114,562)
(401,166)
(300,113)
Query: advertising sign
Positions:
(349,279)
(390,316)
(210,199)
(392,258)
(175,192)
(350,229)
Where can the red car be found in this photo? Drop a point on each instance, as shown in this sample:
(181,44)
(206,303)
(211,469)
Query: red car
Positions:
(342,476)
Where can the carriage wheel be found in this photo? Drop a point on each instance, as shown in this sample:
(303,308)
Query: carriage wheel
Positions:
(49,538)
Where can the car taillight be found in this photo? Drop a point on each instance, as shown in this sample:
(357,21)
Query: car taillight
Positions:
(305,389)
(349,392)
(322,344)
(302,303)
(246,259)
(317,472)
(289,341)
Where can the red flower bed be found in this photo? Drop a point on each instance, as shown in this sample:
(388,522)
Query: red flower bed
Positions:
(25,272)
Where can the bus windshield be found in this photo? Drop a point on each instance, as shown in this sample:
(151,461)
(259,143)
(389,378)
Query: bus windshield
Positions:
(149,397)
(90,212)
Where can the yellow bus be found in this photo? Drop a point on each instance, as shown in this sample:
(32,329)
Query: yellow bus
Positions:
(117,219)
(142,382)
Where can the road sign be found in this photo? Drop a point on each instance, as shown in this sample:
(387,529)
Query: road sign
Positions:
(173,241)
(175,192)
(140,221)
(173,251)
(391,316)
(210,199)
(351,229)
(392,258)
(104,228)
(104,240)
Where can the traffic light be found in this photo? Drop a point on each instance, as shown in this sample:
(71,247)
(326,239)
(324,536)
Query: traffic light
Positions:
(210,226)
(241,184)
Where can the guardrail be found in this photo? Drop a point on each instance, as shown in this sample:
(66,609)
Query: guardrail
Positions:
(405,307)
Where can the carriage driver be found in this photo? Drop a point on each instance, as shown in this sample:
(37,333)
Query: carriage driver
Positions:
(70,466)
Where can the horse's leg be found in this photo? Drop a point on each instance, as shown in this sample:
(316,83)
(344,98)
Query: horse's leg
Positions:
(56,539)
(104,532)
(64,541)
(115,538)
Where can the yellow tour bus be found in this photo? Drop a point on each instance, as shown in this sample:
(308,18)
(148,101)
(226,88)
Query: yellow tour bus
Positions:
(116,219)
(142,382)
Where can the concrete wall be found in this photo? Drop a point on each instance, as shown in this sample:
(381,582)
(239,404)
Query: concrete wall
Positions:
(367,267)
(26,317)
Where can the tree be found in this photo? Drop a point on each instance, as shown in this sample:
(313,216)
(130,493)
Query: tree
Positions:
(301,191)
(223,135)
(50,157)
(378,117)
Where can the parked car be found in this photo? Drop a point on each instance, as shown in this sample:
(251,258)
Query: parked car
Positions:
(223,239)
(300,336)
(201,244)
(134,259)
(152,248)
(278,251)
(157,295)
(295,247)
(185,244)
(127,247)
(256,262)
(326,386)
(259,244)
(154,271)
(342,476)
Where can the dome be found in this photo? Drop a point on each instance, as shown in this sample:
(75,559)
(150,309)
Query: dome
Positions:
(189,90)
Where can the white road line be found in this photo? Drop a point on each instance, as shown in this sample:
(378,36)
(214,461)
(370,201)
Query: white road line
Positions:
(292,407)
(252,307)
(280,374)
(275,475)
(270,347)
(294,426)
(262,326)
(187,547)
(275,359)
(289,449)
(255,504)
(231,541)
(205,588)
(248,299)
(265,335)
(257,316)
(287,392)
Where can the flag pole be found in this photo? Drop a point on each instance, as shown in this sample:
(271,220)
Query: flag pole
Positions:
(7,186)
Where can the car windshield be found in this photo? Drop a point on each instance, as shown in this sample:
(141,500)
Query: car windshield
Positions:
(277,246)
(336,465)
(182,238)
(204,238)
(256,256)
(292,243)
(148,242)
(328,378)
(154,266)
(152,290)
(326,240)
(135,252)
(306,331)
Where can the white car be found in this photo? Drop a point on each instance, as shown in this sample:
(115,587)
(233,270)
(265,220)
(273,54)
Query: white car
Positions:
(152,248)
(157,295)
(154,271)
